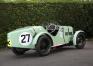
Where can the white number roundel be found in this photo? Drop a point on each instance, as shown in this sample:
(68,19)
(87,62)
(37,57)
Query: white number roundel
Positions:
(25,39)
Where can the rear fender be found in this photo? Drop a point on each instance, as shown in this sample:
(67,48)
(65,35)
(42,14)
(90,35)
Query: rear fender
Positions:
(37,37)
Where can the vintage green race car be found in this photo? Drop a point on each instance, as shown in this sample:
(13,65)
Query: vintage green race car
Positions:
(42,39)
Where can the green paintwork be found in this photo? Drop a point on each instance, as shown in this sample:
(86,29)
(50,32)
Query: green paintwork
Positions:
(36,31)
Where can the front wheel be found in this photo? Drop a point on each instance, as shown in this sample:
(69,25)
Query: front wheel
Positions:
(80,41)
(43,46)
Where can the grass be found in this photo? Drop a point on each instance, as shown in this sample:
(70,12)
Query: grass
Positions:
(45,1)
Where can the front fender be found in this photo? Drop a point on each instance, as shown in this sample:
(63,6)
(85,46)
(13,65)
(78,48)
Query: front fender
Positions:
(75,36)
(37,37)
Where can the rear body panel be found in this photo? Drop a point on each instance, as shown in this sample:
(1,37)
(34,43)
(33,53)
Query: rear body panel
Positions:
(14,37)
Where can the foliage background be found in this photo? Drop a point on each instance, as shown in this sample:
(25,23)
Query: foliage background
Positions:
(13,16)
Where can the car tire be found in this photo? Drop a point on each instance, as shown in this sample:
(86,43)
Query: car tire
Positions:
(18,51)
(43,46)
(80,41)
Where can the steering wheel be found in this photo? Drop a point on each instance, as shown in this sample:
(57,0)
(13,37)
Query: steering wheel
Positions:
(51,28)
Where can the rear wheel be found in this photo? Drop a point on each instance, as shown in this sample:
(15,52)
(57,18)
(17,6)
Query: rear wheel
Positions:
(18,51)
(43,46)
(80,41)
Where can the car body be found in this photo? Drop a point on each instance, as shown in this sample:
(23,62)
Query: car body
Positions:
(28,38)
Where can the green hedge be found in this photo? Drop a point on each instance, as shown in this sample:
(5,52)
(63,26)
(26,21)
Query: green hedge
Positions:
(13,16)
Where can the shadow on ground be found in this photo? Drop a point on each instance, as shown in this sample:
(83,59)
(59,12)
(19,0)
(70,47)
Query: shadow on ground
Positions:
(33,54)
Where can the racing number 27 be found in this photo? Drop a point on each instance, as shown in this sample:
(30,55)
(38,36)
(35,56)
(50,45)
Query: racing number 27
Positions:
(25,38)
